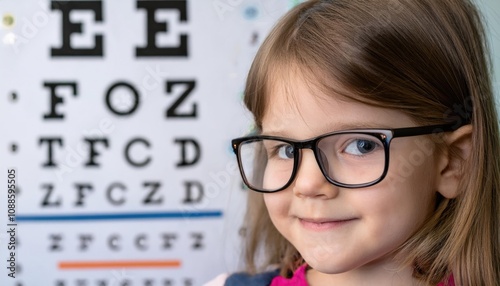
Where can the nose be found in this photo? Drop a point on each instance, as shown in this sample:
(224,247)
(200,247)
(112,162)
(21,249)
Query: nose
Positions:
(310,181)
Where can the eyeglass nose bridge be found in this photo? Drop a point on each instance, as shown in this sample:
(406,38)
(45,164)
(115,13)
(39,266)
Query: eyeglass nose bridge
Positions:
(313,146)
(309,144)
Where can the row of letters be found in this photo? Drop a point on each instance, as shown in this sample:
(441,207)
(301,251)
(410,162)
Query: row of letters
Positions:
(115,242)
(154,28)
(116,194)
(185,88)
(90,148)
(118,281)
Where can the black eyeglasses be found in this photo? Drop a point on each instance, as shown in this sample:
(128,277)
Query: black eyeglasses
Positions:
(349,158)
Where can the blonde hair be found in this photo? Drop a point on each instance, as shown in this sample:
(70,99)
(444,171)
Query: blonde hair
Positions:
(426,58)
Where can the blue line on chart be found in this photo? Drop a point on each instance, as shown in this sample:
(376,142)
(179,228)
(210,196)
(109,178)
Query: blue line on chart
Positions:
(120,216)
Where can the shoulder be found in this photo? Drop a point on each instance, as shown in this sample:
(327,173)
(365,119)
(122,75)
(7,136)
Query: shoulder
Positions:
(244,279)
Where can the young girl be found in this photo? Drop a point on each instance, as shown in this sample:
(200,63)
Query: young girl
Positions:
(375,160)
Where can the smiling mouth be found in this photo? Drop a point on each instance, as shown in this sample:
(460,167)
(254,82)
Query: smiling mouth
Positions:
(324,224)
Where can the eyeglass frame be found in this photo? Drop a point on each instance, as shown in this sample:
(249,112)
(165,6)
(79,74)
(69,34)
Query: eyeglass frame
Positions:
(385,135)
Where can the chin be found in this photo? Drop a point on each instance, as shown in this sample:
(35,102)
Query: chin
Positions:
(329,265)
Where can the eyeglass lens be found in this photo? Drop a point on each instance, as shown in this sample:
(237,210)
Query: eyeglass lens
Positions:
(350,159)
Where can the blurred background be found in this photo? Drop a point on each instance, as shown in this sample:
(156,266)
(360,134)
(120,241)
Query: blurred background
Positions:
(116,117)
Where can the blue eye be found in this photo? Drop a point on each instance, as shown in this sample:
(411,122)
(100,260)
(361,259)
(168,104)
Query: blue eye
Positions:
(360,147)
(286,152)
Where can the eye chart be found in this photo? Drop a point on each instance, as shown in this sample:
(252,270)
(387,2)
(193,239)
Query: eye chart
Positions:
(115,149)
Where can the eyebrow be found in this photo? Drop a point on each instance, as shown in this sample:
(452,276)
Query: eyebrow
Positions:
(338,127)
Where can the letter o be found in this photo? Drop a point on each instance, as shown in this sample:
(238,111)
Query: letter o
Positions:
(135,94)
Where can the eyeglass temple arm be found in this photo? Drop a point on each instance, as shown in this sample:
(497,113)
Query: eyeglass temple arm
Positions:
(422,130)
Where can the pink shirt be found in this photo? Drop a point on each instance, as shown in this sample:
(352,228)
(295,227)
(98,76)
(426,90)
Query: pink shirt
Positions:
(299,279)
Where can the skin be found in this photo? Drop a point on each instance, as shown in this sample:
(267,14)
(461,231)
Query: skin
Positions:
(363,226)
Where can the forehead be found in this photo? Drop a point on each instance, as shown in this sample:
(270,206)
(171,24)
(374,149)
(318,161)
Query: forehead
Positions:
(298,108)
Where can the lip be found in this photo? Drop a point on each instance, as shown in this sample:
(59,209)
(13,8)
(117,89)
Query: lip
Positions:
(323,224)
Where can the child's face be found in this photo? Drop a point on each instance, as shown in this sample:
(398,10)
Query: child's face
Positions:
(363,226)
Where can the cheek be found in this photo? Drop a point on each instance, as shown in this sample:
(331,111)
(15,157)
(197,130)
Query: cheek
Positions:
(278,205)
(401,204)
(390,217)
(414,165)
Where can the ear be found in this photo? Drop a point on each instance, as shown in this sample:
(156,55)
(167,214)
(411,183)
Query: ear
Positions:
(457,149)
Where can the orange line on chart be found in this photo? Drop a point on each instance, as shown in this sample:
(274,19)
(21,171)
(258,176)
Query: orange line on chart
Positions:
(119,264)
